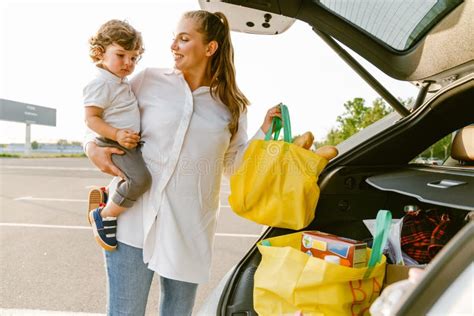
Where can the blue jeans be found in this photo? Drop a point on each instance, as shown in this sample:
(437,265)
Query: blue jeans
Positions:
(129,281)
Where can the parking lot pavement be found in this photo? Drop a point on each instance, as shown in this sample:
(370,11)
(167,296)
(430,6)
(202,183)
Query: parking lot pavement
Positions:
(49,260)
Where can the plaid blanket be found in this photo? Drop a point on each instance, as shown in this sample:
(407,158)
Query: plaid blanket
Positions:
(424,233)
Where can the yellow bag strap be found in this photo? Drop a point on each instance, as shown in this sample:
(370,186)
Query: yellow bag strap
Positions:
(276,125)
(382,230)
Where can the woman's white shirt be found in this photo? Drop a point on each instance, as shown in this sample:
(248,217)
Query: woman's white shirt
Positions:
(187,149)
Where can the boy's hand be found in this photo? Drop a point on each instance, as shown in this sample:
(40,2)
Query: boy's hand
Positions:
(127,138)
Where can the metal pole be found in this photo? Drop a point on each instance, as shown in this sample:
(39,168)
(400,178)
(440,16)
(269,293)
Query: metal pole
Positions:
(384,93)
(422,94)
(28,139)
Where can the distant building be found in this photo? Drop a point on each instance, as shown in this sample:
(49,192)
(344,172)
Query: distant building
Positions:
(43,148)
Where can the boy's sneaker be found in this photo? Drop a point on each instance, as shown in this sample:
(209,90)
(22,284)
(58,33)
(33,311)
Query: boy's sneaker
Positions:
(104,229)
(97,198)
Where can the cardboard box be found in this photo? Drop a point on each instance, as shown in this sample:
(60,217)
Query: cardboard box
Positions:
(353,253)
(395,273)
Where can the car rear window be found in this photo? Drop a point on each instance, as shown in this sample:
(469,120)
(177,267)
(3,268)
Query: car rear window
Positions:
(399,24)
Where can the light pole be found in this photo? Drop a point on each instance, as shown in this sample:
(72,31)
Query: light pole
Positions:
(27,149)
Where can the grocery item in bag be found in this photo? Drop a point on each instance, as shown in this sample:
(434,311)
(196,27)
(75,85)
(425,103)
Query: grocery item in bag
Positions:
(288,281)
(352,253)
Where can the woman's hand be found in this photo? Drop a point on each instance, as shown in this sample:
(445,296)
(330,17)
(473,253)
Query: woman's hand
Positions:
(127,138)
(101,158)
(271,113)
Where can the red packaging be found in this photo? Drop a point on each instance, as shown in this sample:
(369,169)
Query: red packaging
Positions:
(353,253)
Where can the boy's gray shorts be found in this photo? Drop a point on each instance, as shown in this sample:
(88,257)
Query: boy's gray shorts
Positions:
(132,165)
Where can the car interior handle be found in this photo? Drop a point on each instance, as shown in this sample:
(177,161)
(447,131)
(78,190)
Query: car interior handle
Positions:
(445,183)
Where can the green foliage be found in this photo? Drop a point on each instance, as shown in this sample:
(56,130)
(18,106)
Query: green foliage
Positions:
(62,142)
(439,150)
(34,145)
(8,155)
(356,117)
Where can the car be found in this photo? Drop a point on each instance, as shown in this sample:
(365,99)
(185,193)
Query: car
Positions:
(428,43)
(434,161)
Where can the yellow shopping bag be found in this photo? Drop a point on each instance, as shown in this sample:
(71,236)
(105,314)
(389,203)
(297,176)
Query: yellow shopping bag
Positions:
(288,280)
(276,184)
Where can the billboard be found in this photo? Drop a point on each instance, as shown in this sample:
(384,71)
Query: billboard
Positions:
(27,113)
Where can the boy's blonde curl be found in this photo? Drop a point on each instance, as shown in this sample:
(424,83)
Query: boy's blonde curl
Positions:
(118,32)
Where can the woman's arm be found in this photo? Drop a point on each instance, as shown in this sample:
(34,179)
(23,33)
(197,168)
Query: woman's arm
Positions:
(101,157)
(238,145)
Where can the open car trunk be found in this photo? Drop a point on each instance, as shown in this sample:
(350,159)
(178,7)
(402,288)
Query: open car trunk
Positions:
(426,42)
(352,190)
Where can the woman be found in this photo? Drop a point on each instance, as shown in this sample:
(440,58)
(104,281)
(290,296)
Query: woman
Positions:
(194,129)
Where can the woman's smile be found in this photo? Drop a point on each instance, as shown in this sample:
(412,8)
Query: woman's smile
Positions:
(177,56)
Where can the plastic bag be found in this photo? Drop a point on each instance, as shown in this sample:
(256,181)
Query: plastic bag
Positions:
(287,280)
(276,184)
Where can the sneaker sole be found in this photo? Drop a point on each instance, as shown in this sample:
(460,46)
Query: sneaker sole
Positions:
(96,197)
(96,235)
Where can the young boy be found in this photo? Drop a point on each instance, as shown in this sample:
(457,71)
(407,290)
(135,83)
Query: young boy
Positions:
(111,112)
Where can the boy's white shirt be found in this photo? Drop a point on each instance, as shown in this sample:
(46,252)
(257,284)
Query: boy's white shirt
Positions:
(115,97)
(187,149)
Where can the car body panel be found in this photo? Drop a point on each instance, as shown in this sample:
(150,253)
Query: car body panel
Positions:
(453,260)
(443,60)
(452,35)
(243,19)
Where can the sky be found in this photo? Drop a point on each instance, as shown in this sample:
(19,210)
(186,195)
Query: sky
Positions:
(44,61)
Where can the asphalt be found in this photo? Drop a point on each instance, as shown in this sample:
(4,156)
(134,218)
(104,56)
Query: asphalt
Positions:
(49,260)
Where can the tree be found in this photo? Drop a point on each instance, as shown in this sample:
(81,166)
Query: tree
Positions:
(34,145)
(439,150)
(357,116)
(62,142)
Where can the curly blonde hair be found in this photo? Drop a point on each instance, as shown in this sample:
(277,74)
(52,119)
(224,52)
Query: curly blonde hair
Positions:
(118,32)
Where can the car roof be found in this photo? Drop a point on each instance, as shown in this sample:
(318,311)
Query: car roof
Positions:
(408,40)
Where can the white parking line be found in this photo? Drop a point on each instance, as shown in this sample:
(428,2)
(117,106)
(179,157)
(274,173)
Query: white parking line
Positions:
(35,312)
(30,198)
(43,226)
(88,228)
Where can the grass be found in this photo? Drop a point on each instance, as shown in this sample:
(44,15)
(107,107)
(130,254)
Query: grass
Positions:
(7,155)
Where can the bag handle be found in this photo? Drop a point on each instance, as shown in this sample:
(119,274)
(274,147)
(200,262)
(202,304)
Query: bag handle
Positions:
(277,123)
(274,128)
(383,224)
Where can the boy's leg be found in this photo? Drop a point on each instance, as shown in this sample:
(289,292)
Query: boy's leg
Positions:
(138,178)
(137,181)
(177,297)
(104,226)
(128,281)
